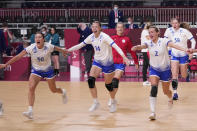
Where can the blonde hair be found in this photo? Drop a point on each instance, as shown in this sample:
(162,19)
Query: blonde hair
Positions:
(185,25)
(148,25)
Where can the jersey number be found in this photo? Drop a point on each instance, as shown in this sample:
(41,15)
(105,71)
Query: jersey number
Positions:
(97,48)
(177,40)
(40,59)
(156,53)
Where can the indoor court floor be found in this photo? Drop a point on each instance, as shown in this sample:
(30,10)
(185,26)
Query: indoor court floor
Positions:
(132,114)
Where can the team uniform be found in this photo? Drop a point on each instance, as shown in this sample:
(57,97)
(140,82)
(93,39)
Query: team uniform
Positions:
(103,52)
(125,44)
(159,59)
(180,38)
(41,60)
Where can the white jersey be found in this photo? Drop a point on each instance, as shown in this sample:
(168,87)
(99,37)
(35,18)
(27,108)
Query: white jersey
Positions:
(159,58)
(143,38)
(102,48)
(40,58)
(180,38)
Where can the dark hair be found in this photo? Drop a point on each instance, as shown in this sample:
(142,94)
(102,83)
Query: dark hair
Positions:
(97,22)
(44,28)
(53,28)
(156,29)
(5,24)
(38,32)
(175,19)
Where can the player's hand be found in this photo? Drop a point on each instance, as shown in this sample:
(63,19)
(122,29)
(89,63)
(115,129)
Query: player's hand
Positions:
(127,61)
(189,51)
(65,52)
(136,66)
(134,48)
(2,66)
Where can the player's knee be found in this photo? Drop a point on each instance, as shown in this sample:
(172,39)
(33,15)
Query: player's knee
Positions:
(115,83)
(154,90)
(109,87)
(91,81)
(174,84)
(32,89)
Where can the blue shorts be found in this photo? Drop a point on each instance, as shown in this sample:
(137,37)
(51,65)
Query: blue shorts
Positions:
(181,60)
(120,67)
(49,74)
(163,75)
(105,69)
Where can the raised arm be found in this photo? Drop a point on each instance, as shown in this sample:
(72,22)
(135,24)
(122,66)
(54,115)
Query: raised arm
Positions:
(77,47)
(14,59)
(171,44)
(63,51)
(139,47)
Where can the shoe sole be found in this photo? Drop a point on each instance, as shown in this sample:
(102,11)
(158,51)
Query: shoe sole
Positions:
(152,118)
(27,116)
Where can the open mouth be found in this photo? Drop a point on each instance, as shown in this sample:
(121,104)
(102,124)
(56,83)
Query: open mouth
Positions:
(38,42)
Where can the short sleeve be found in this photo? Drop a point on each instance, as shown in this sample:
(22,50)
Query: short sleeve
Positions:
(167,33)
(109,40)
(51,47)
(88,40)
(188,35)
(166,41)
(29,48)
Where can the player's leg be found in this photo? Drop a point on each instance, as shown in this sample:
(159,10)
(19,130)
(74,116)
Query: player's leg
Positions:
(1,108)
(55,59)
(153,96)
(175,72)
(54,89)
(33,82)
(184,66)
(167,92)
(94,73)
(145,67)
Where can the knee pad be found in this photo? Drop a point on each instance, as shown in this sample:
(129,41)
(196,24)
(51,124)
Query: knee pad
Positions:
(174,84)
(109,87)
(91,81)
(115,83)
(154,90)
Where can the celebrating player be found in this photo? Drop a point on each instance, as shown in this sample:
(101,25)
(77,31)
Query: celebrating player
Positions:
(103,60)
(159,65)
(41,68)
(125,44)
(179,36)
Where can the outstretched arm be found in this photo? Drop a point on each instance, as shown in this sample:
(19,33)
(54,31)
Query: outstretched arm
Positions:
(63,51)
(126,60)
(77,47)
(139,47)
(170,44)
(14,59)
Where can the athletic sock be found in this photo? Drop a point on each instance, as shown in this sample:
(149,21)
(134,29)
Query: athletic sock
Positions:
(95,100)
(152,104)
(30,108)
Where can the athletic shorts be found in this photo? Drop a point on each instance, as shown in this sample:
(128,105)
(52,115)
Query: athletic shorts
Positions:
(181,60)
(105,69)
(55,53)
(120,67)
(49,74)
(163,75)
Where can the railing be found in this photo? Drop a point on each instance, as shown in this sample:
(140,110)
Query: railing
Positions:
(159,14)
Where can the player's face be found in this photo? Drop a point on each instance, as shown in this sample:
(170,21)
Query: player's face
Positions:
(175,24)
(153,34)
(39,40)
(96,28)
(120,28)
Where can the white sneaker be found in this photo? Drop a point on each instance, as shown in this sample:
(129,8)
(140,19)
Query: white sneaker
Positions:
(170,104)
(64,96)
(94,106)
(152,116)
(28,114)
(113,106)
(110,101)
(1,109)
(146,83)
